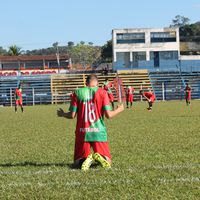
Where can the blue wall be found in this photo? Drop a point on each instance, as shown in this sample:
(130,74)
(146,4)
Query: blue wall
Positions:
(165,65)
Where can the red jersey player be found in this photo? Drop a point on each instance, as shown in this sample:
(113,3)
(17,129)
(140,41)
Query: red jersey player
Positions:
(18,98)
(90,104)
(187,94)
(107,86)
(150,97)
(129,96)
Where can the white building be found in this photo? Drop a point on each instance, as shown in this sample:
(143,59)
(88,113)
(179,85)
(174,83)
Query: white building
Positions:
(145,47)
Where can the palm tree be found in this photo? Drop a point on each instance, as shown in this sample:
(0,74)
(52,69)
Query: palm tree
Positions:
(14,50)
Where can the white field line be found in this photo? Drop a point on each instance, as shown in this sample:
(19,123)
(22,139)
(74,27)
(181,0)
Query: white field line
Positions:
(129,169)
(180,180)
(69,183)
(72,183)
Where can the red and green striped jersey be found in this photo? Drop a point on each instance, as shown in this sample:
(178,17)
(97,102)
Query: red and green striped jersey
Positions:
(90,103)
(129,90)
(18,94)
(107,86)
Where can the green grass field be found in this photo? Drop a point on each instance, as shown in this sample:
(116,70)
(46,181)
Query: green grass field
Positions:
(156,155)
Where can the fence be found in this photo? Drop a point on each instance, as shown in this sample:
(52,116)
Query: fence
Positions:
(171,85)
(36,89)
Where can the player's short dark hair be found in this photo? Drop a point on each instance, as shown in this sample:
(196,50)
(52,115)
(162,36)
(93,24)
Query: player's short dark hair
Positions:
(91,78)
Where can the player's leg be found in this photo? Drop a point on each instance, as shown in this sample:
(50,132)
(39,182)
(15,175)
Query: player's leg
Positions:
(20,103)
(113,106)
(102,154)
(186,99)
(131,100)
(82,156)
(16,104)
(22,109)
(150,105)
(111,97)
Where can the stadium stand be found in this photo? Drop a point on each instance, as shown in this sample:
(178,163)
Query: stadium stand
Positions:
(171,85)
(35,89)
(56,88)
(193,79)
(167,85)
(64,85)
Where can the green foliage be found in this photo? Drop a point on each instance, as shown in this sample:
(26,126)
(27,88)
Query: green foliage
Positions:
(2,51)
(85,54)
(190,32)
(179,21)
(14,50)
(155,155)
(106,52)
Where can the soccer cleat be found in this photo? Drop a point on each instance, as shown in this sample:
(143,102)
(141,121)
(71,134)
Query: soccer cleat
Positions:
(105,164)
(87,163)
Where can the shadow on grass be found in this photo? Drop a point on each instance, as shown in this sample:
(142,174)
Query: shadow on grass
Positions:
(35,164)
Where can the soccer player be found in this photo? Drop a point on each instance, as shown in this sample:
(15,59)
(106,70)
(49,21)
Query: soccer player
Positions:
(150,97)
(129,96)
(107,86)
(18,98)
(90,104)
(187,94)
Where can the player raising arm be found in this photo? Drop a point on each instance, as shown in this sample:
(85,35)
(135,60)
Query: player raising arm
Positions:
(89,105)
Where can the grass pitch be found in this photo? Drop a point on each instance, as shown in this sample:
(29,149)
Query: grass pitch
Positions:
(156,155)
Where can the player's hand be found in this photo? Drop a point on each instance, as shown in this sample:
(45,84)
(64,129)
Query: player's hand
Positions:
(60,112)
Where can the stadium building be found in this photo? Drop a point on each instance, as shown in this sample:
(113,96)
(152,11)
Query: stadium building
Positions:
(151,49)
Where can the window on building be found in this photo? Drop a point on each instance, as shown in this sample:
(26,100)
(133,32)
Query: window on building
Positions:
(163,36)
(165,55)
(123,59)
(129,38)
(139,56)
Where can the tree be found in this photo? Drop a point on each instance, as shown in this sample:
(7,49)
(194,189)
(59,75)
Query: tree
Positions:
(85,54)
(179,21)
(106,52)
(82,42)
(70,44)
(90,43)
(14,50)
(2,51)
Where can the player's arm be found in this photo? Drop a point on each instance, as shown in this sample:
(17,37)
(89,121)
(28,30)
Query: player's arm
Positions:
(146,97)
(112,113)
(72,109)
(68,115)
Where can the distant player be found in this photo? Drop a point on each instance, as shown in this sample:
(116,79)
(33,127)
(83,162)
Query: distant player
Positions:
(129,96)
(18,98)
(150,97)
(187,94)
(107,86)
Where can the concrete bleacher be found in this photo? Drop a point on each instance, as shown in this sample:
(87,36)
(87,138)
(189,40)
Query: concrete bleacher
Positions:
(56,88)
(138,79)
(64,85)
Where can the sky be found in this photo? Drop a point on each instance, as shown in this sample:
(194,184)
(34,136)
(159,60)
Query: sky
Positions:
(35,24)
